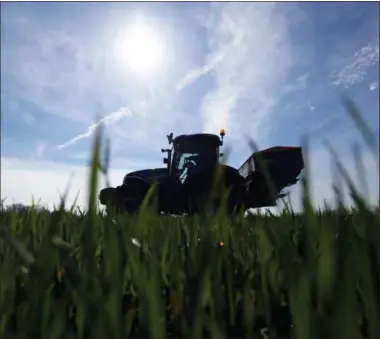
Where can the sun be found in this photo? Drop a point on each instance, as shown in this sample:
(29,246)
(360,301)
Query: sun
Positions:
(141,49)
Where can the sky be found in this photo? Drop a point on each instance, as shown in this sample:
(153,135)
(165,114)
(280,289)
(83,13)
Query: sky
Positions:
(272,72)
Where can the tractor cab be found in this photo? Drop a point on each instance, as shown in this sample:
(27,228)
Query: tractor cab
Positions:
(192,152)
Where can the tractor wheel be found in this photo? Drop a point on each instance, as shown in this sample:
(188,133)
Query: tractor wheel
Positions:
(123,207)
(107,197)
(125,203)
(119,200)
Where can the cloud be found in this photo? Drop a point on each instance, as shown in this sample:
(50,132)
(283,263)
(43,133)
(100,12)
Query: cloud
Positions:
(196,73)
(357,67)
(68,68)
(55,66)
(250,58)
(107,120)
(374,86)
(69,71)
(28,119)
(40,148)
(299,84)
(22,180)
(311,107)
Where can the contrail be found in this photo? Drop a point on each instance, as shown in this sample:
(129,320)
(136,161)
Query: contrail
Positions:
(107,120)
(196,73)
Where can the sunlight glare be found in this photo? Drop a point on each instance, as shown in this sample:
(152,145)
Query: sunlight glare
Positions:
(142,50)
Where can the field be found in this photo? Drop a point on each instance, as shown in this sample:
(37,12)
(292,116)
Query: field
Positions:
(88,275)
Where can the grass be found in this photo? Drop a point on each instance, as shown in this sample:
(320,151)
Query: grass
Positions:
(80,275)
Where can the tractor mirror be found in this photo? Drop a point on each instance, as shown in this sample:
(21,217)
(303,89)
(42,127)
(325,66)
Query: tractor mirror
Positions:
(166,160)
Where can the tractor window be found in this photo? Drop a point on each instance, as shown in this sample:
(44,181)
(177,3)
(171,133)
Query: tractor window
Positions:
(187,160)
(183,175)
(191,155)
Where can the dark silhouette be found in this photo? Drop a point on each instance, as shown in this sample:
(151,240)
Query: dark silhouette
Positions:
(185,185)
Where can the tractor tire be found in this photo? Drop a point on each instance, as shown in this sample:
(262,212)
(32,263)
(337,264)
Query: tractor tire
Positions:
(119,200)
(107,197)
(127,203)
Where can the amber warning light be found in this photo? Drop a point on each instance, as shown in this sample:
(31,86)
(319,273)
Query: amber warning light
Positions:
(222,132)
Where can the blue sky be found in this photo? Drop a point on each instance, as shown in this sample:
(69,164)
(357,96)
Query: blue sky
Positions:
(270,71)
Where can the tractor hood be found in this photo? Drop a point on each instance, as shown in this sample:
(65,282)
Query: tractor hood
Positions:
(150,174)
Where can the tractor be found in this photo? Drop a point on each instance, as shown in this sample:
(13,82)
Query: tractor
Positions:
(186,185)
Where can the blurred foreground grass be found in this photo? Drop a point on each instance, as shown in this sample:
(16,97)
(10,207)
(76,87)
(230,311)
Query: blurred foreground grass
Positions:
(308,275)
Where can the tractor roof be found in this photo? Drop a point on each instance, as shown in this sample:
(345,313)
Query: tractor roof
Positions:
(199,138)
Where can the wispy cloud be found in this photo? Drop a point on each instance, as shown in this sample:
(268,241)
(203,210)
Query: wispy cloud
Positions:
(109,119)
(28,119)
(40,148)
(358,65)
(299,84)
(311,107)
(54,65)
(196,73)
(374,86)
(250,43)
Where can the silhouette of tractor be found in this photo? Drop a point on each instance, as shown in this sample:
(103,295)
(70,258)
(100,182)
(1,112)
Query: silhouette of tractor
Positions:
(186,184)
